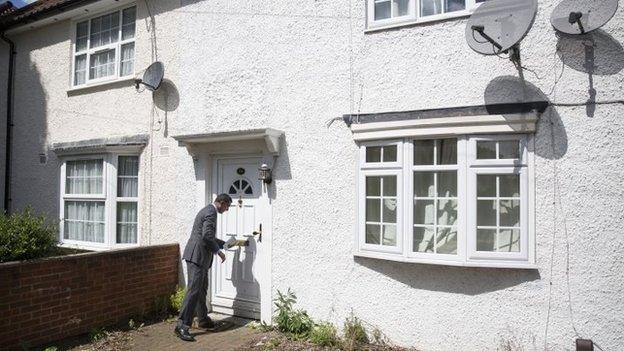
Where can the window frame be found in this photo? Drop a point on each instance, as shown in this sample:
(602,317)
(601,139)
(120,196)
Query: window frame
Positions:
(467,168)
(109,197)
(413,16)
(100,49)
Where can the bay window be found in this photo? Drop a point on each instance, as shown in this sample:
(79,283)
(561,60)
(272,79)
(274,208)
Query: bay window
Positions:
(99,201)
(388,12)
(460,200)
(103,47)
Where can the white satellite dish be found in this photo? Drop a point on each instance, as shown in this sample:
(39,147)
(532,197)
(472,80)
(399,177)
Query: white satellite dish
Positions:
(499,25)
(582,16)
(152,77)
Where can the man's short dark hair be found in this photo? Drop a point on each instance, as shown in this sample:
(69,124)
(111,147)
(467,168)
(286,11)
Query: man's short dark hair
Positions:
(224,198)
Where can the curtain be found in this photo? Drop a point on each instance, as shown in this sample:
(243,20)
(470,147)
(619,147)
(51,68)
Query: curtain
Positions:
(128,20)
(84,177)
(127,59)
(126,222)
(128,176)
(84,221)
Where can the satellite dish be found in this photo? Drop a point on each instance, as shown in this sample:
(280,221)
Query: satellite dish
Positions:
(499,25)
(582,16)
(152,77)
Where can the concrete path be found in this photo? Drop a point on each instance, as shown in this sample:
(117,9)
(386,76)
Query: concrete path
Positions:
(160,336)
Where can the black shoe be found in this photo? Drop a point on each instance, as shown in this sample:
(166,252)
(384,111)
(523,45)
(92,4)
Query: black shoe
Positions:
(206,323)
(183,334)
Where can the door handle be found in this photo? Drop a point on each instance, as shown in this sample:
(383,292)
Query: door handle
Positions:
(258,233)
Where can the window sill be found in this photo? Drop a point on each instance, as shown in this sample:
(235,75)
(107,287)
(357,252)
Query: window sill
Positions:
(98,247)
(88,86)
(482,264)
(414,22)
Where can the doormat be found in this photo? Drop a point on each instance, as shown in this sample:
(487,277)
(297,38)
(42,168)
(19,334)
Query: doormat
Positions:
(221,326)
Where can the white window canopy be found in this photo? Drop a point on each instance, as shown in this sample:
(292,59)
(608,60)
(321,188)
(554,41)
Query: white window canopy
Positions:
(132,143)
(262,140)
(482,119)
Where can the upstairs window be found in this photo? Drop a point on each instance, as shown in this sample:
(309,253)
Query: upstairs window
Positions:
(388,12)
(103,47)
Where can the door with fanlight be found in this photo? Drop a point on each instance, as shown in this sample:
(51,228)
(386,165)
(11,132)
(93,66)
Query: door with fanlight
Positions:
(237,281)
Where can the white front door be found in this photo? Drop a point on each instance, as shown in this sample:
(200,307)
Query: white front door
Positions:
(236,283)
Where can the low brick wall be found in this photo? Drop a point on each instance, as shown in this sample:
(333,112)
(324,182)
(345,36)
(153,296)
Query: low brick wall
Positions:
(53,298)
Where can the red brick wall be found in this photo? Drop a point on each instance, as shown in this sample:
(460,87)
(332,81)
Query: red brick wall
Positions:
(50,299)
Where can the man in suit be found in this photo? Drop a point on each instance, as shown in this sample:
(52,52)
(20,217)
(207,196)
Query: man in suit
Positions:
(198,254)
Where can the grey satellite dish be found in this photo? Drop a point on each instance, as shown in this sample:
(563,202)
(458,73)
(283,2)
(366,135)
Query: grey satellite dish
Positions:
(499,25)
(152,77)
(582,16)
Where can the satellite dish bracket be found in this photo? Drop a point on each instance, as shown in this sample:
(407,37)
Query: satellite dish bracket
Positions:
(481,30)
(138,82)
(575,17)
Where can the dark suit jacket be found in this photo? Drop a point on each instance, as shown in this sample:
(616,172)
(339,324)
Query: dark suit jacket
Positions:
(203,245)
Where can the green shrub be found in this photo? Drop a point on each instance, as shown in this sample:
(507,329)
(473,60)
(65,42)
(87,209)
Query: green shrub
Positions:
(97,334)
(324,334)
(296,323)
(176,299)
(24,236)
(354,333)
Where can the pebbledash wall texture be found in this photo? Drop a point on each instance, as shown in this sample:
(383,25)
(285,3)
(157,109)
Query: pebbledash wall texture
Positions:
(294,66)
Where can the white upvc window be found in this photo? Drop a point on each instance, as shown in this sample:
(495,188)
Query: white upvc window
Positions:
(103,47)
(381,13)
(461,200)
(99,201)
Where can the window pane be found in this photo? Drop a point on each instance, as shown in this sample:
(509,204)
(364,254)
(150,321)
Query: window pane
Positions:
(430,7)
(423,239)
(423,212)
(82,32)
(389,235)
(127,176)
(447,184)
(509,213)
(447,152)
(382,9)
(509,185)
(373,186)
(486,150)
(84,177)
(486,212)
(80,70)
(127,222)
(423,152)
(373,154)
(373,234)
(389,185)
(486,239)
(127,60)
(447,212)
(389,210)
(390,153)
(84,221)
(128,24)
(423,184)
(400,7)
(509,240)
(486,185)
(455,5)
(446,241)
(102,64)
(373,210)
(509,149)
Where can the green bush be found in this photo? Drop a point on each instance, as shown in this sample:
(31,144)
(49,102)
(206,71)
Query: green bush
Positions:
(24,236)
(354,333)
(176,299)
(324,334)
(296,323)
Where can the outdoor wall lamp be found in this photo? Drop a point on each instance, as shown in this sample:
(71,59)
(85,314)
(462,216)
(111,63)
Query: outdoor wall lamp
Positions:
(264,174)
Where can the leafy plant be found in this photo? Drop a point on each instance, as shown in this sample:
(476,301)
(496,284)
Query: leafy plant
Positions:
(134,325)
(296,323)
(177,298)
(24,236)
(354,333)
(97,334)
(324,334)
(51,348)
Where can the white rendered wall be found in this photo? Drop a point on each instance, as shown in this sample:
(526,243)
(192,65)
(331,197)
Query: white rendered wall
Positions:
(295,65)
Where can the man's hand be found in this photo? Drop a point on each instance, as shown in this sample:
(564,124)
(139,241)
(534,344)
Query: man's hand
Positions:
(222,255)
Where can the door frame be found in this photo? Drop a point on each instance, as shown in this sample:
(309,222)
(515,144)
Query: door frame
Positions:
(209,191)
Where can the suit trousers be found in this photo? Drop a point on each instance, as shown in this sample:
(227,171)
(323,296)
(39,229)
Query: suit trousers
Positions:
(194,303)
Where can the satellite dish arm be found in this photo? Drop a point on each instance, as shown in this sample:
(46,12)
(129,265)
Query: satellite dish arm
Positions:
(575,17)
(481,30)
